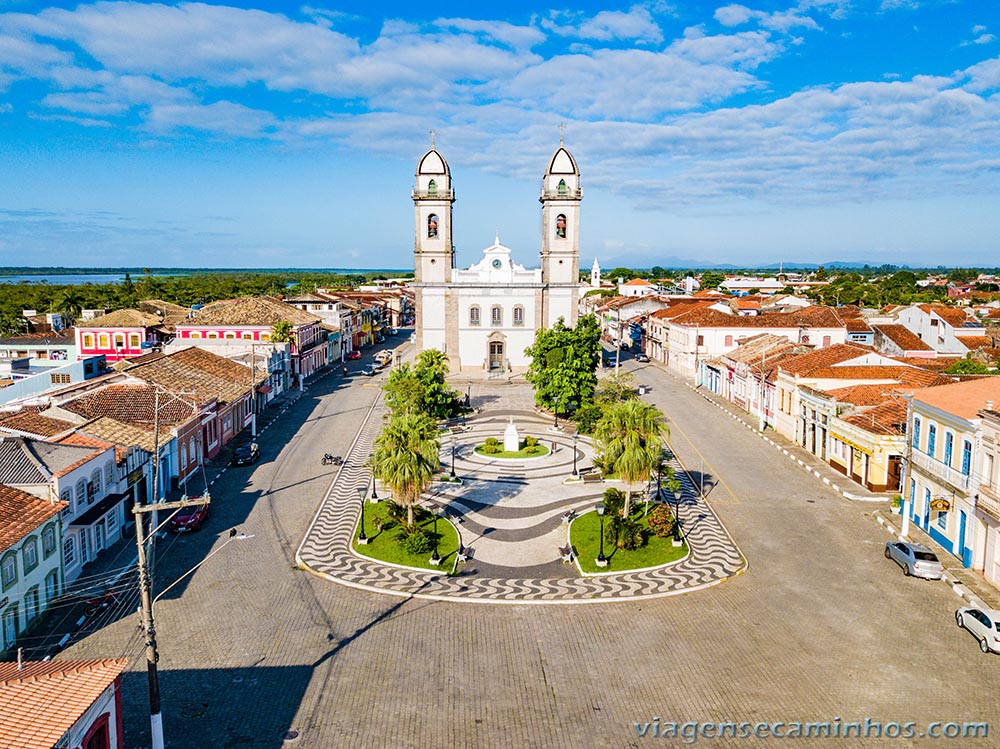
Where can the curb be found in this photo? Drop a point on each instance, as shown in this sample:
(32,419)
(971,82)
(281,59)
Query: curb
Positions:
(825,479)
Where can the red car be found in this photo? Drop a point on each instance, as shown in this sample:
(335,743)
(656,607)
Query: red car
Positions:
(189,518)
(354,355)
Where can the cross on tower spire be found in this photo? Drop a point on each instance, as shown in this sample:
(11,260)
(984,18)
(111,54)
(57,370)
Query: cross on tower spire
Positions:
(562,132)
(432,139)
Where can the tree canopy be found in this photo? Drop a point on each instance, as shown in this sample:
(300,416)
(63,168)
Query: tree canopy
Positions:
(564,364)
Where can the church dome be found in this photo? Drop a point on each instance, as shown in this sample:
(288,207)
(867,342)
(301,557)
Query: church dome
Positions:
(562,163)
(432,163)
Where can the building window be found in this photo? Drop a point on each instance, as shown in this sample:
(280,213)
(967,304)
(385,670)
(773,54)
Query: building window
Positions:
(701,340)
(95,479)
(88,340)
(729,340)
(29,549)
(519,316)
(9,629)
(432,188)
(949,440)
(195,334)
(67,497)
(916,433)
(229,335)
(496,315)
(265,336)
(112,521)
(8,570)
(191,450)
(432,226)
(931,439)
(48,541)
(109,475)
(966,457)
(562,190)
(247,336)
(213,336)
(31,604)
(561,226)
(942,520)
(103,341)
(133,341)
(184,455)
(69,552)
(81,492)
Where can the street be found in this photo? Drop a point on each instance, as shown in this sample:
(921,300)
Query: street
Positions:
(820,627)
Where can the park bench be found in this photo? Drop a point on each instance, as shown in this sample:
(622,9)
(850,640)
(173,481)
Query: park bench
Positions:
(464,553)
(568,516)
(592,478)
(567,553)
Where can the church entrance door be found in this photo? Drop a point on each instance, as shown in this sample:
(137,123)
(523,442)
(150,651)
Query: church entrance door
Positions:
(496,355)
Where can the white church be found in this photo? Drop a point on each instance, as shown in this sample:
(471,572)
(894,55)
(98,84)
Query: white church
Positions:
(484,317)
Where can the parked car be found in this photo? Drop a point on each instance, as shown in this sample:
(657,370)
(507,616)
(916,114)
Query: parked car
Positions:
(642,358)
(393,331)
(915,559)
(244,455)
(379,338)
(189,518)
(383,357)
(354,355)
(983,624)
(609,361)
(369,370)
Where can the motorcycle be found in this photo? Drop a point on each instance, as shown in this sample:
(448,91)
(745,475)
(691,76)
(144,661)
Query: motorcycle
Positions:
(332,459)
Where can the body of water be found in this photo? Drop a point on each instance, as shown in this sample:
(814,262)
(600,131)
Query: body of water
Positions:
(68,278)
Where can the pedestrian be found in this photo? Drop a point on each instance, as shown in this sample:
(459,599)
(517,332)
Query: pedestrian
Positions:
(553,446)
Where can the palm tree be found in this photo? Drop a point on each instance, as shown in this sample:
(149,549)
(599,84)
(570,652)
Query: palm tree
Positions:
(68,303)
(282,332)
(406,458)
(630,436)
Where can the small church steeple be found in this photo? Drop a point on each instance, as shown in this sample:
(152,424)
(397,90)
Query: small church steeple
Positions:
(595,275)
(433,197)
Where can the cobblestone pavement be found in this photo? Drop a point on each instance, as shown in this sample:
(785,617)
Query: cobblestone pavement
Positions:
(820,627)
(534,487)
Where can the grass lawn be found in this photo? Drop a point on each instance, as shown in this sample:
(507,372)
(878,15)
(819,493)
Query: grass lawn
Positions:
(521,454)
(382,544)
(585,536)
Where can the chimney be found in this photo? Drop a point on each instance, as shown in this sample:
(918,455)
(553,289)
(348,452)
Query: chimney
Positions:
(989,405)
(20,658)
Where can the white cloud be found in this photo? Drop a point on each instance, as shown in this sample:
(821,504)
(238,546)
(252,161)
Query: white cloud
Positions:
(519,37)
(978,29)
(984,39)
(783,21)
(635,25)
(733,15)
(221,117)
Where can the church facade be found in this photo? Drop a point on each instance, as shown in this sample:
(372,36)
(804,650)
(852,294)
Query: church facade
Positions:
(483,317)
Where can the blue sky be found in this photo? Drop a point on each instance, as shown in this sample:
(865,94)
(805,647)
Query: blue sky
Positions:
(277,134)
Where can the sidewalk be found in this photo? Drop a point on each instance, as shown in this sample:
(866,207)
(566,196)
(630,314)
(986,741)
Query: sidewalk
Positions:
(794,452)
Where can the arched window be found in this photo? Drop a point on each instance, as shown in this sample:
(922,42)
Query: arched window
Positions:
(184,455)
(474,315)
(432,226)
(48,541)
(109,474)
(67,497)
(518,316)
(81,492)
(191,451)
(432,187)
(496,315)
(95,479)
(562,187)
(561,226)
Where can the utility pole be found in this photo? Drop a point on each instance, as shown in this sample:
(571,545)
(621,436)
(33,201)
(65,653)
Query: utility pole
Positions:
(618,348)
(145,589)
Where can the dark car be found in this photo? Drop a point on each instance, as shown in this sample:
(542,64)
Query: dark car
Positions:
(369,370)
(642,358)
(356,354)
(189,518)
(244,455)
(609,361)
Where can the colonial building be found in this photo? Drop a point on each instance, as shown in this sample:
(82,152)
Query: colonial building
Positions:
(484,317)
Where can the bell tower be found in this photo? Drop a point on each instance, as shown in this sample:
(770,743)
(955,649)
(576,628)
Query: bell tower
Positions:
(433,251)
(560,199)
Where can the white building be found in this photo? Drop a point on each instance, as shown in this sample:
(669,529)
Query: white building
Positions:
(484,317)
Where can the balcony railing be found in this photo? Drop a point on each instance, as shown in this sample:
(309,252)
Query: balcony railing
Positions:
(989,501)
(939,470)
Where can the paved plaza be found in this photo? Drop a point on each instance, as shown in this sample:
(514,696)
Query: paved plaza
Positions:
(257,652)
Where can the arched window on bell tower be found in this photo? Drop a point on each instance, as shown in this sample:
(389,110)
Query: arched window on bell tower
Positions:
(432,226)
(561,226)
(562,188)
(432,188)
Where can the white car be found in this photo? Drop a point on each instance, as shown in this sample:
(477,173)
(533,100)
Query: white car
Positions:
(984,624)
(915,559)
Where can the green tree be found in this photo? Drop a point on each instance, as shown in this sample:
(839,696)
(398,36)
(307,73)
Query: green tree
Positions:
(564,364)
(404,391)
(406,457)
(711,279)
(630,440)
(968,366)
(68,303)
(281,332)
(438,400)
(820,274)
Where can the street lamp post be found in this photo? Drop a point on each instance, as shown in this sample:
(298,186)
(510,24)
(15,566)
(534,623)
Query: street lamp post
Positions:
(435,559)
(576,437)
(602,561)
(677,517)
(374,489)
(362,494)
(453,457)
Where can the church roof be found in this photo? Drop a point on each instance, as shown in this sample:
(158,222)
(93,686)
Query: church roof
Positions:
(432,162)
(563,163)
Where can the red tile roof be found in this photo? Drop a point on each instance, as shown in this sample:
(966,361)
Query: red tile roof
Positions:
(131,404)
(903,337)
(857,325)
(637,282)
(20,514)
(887,418)
(954,316)
(975,342)
(825,357)
(964,399)
(32,423)
(42,700)
(812,317)
(122,318)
